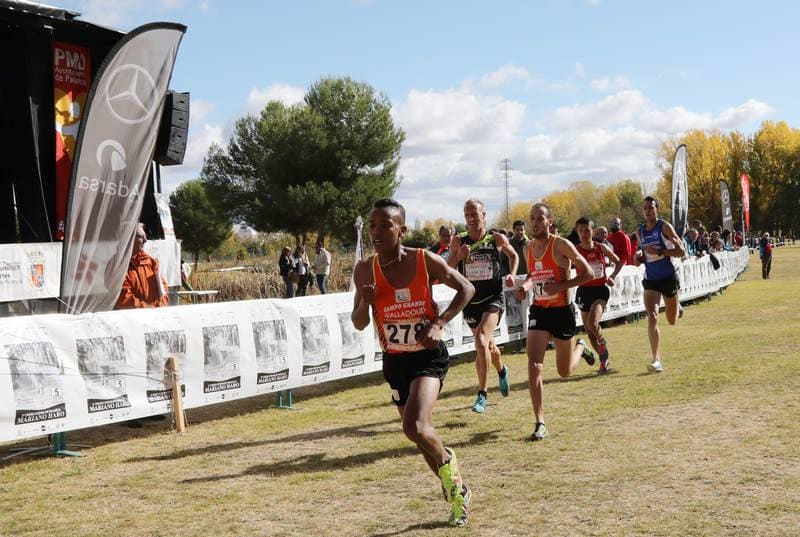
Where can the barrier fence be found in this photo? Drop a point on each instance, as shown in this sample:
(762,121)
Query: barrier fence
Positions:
(65,372)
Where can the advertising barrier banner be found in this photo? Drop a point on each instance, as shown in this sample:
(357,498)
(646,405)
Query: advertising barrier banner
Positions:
(64,372)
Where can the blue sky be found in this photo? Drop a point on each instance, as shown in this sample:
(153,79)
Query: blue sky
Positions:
(568,90)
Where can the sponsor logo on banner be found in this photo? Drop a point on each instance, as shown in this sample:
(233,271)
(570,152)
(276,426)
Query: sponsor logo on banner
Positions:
(72,72)
(131,94)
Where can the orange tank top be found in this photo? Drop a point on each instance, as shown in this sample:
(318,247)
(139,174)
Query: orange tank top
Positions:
(401,313)
(545,269)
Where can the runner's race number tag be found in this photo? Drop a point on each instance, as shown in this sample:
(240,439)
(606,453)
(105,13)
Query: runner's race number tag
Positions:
(403,336)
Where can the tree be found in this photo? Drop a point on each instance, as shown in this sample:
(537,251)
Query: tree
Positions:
(199,223)
(314,166)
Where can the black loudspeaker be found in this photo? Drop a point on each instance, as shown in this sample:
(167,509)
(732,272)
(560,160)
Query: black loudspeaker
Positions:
(172,135)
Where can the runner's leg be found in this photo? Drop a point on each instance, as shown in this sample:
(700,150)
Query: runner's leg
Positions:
(651,303)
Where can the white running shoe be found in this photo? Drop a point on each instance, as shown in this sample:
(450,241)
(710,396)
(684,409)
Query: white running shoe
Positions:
(655,367)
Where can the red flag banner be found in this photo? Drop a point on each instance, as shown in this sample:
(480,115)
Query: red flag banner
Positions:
(745,182)
(72,77)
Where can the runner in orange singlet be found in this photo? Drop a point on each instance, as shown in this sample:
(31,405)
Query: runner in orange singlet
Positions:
(395,284)
(552,314)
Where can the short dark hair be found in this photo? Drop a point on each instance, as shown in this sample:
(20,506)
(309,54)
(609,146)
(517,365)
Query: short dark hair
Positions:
(389,203)
(584,221)
(653,200)
(518,223)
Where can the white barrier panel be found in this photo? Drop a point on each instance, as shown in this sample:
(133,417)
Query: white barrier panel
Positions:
(63,372)
(33,270)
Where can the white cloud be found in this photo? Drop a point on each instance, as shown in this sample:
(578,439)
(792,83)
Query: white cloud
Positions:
(505,75)
(200,109)
(612,110)
(747,112)
(611,84)
(122,13)
(285,93)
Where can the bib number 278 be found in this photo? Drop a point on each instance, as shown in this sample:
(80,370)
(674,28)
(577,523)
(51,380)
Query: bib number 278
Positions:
(404,334)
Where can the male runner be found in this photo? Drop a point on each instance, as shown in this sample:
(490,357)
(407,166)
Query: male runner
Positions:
(476,253)
(593,295)
(657,243)
(552,314)
(396,284)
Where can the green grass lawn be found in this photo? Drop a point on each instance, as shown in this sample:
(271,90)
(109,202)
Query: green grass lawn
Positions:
(709,447)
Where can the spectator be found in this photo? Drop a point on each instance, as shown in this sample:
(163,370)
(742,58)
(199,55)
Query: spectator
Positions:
(690,244)
(765,253)
(518,241)
(301,266)
(322,267)
(620,241)
(143,287)
(286,267)
(634,238)
(739,239)
(186,271)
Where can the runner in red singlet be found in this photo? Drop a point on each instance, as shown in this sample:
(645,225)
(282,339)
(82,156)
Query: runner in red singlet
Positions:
(593,295)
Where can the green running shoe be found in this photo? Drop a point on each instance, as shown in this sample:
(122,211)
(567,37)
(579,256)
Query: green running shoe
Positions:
(480,403)
(587,354)
(504,388)
(540,432)
(460,511)
(448,475)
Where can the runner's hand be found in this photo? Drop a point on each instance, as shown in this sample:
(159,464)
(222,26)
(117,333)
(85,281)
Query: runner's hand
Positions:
(430,336)
(550,288)
(610,281)
(368,293)
(509,278)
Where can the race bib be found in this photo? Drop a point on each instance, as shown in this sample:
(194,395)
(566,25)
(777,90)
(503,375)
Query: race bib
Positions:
(597,269)
(402,336)
(478,270)
(538,289)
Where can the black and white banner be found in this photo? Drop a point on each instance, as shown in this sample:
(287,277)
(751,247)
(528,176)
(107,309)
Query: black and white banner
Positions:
(64,372)
(113,156)
(725,197)
(680,192)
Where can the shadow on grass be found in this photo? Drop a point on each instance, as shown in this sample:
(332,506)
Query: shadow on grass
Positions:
(420,526)
(321,462)
(355,431)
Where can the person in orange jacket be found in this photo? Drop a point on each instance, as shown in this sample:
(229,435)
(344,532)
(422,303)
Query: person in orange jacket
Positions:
(144,286)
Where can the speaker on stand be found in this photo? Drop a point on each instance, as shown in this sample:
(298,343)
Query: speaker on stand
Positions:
(173,133)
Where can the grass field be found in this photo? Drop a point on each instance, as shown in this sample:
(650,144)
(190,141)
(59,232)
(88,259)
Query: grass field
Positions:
(709,447)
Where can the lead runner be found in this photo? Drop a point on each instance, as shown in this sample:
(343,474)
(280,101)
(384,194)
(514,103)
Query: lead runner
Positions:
(395,284)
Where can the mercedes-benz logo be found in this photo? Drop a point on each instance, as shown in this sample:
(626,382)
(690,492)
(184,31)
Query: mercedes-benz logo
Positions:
(725,196)
(131,94)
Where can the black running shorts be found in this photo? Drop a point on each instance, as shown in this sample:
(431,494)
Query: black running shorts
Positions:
(473,313)
(586,296)
(559,321)
(400,369)
(668,286)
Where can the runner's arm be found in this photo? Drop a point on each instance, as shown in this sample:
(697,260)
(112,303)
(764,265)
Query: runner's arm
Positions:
(455,251)
(677,250)
(501,241)
(609,253)
(364,295)
(565,248)
(439,270)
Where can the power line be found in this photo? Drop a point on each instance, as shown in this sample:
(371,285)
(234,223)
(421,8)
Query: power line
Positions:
(505,165)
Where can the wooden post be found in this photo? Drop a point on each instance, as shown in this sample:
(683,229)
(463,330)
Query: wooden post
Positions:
(177,398)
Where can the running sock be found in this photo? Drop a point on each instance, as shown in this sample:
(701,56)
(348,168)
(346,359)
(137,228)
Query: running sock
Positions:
(481,392)
(502,373)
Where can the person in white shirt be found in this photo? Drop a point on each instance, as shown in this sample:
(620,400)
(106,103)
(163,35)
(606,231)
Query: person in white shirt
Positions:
(300,262)
(322,268)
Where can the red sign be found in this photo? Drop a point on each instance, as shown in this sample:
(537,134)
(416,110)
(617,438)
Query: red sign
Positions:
(745,182)
(72,74)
